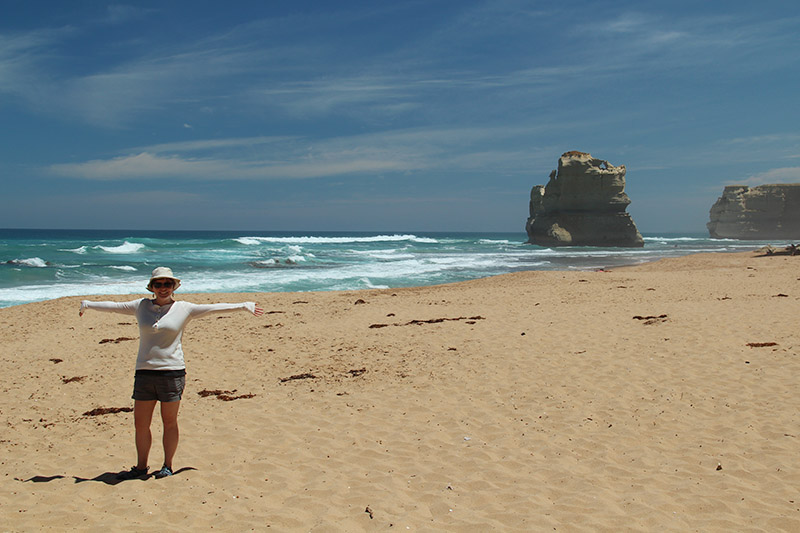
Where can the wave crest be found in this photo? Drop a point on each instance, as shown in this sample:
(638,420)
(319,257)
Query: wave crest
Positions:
(79,250)
(252,241)
(35,262)
(124,248)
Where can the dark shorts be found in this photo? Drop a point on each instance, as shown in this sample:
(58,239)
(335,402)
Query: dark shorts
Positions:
(164,386)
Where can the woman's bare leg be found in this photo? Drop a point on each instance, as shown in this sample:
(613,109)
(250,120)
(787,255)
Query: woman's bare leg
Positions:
(169,416)
(142,416)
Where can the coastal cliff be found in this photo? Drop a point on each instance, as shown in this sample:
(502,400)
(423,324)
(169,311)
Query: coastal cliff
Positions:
(583,204)
(756,213)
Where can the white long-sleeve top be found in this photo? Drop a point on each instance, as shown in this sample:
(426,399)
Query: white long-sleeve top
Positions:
(161,327)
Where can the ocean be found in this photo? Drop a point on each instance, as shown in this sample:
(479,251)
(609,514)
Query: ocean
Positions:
(38,265)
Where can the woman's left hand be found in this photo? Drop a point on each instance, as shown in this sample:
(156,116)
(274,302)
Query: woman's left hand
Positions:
(254,308)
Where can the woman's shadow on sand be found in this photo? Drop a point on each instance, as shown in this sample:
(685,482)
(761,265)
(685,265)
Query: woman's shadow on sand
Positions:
(109,478)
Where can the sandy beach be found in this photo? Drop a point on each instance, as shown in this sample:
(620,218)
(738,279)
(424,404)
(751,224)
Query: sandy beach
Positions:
(661,397)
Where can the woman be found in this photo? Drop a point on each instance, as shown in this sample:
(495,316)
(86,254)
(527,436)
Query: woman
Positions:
(160,370)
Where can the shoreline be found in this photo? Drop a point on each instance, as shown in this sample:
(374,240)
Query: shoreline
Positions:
(654,396)
(606,268)
(46,267)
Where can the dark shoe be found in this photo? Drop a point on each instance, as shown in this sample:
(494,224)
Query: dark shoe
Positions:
(164,472)
(133,473)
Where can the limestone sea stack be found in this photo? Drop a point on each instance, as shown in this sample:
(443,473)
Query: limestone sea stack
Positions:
(583,204)
(756,213)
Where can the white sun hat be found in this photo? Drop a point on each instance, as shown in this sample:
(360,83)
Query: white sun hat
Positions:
(162,273)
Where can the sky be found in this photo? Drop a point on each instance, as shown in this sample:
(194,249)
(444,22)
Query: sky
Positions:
(431,115)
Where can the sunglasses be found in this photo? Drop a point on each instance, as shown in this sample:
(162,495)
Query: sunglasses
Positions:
(162,284)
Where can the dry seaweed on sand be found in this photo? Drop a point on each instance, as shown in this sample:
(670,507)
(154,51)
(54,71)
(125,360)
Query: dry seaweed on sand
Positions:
(306,375)
(108,411)
(224,395)
(419,322)
(117,340)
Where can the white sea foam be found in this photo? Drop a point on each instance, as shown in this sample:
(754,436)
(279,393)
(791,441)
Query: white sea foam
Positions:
(265,262)
(124,248)
(35,262)
(368,284)
(391,256)
(250,241)
(79,250)
(277,264)
(36,293)
(268,263)
(669,239)
(372,251)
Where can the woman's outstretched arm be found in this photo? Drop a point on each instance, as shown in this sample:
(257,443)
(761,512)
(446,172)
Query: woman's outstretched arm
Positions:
(198,310)
(125,308)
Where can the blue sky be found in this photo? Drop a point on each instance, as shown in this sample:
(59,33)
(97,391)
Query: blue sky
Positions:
(385,116)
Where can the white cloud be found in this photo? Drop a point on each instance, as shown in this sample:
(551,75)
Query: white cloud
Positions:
(773,176)
(491,150)
(240,65)
(21,57)
(34,66)
(141,165)
(149,166)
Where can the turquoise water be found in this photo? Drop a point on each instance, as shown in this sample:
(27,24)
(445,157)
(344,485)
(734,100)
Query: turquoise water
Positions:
(39,265)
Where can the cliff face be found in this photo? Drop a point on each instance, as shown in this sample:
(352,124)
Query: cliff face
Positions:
(759,213)
(583,204)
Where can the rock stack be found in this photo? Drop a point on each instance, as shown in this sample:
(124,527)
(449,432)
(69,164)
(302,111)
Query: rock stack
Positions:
(756,213)
(583,204)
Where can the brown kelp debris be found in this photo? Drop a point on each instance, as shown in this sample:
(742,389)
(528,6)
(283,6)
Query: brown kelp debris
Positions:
(651,319)
(117,340)
(205,392)
(224,395)
(227,398)
(792,249)
(416,322)
(307,375)
(73,379)
(359,372)
(108,411)
(761,344)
